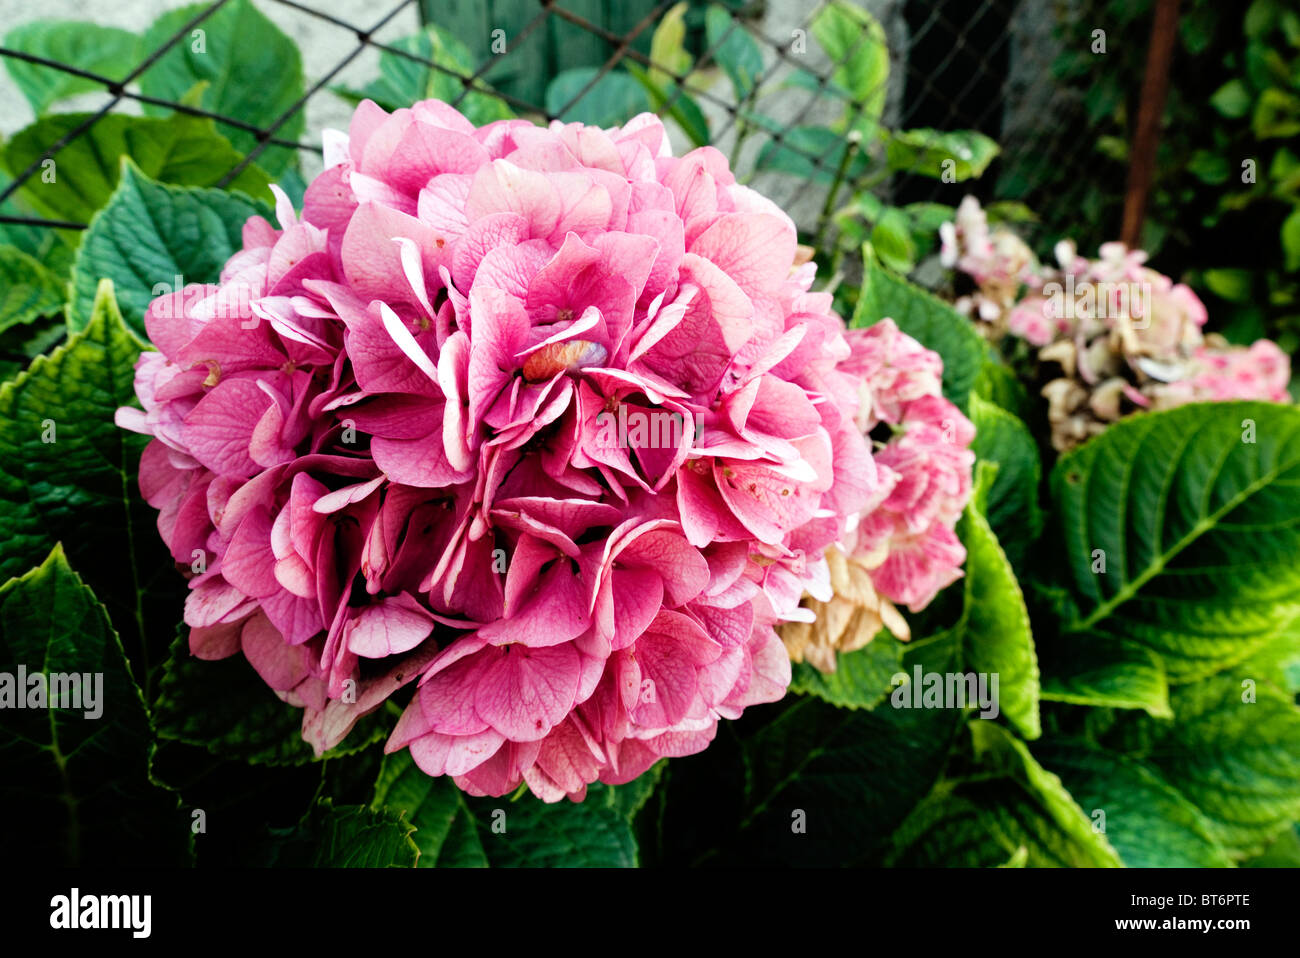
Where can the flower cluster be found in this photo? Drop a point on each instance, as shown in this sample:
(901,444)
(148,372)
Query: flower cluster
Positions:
(544,420)
(903,548)
(1123,336)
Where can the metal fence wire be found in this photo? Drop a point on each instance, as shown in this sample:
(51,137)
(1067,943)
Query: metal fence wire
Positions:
(954,65)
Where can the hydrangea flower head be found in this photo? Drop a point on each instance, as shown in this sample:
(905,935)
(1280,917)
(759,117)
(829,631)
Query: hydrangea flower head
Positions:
(544,422)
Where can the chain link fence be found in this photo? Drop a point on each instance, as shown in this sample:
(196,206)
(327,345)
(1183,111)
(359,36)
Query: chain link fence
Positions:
(838,111)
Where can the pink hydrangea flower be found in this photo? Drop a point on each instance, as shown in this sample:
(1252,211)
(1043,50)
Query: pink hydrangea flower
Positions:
(905,537)
(395,440)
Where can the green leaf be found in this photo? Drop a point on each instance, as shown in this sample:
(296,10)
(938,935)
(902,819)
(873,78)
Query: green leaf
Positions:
(891,238)
(856,44)
(1107,673)
(812,152)
(995,632)
(1190,512)
(1291,240)
(862,678)
(1232,99)
(1013,511)
(1232,284)
(107,51)
(1012,803)
(76,784)
(403,81)
(958,155)
(150,234)
(1147,821)
(733,49)
(252,72)
(349,836)
(1282,852)
(614,97)
(1209,167)
(247,721)
(1277,114)
(28,290)
(184,150)
(853,774)
(453,830)
(668,56)
(1236,760)
(929,320)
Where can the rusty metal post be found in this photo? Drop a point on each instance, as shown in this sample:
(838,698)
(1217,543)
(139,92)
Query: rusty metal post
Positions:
(1151,108)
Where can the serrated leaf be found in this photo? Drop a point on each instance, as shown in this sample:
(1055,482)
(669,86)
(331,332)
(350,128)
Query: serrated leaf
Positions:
(403,81)
(862,678)
(67,473)
(1147,821)
(150,234)
(76,789)
(252,72)
(107,51)
(854,776)
(930,321)
(347,836)
(184,150)
(224,706)
(1238,761)
(995,632)
(1194,527)
(454,830)
(28,290)
(986,818)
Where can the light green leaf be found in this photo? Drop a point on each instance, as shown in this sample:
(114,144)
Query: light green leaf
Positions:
(28,290)
(1191,514)
(453,830)
(184,150)
(148,235)
(926,318)
(856,44)
(862,678)
(958,155)
(668,56)
(1277,114)
(1232,99)
(891,238)
(76,783)
(253,73)
(107,51)
(403,81)
(1148,822)
(995,633)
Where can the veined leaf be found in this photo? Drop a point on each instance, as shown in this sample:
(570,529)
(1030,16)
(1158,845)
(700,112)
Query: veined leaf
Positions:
(108,51)
(149,236)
